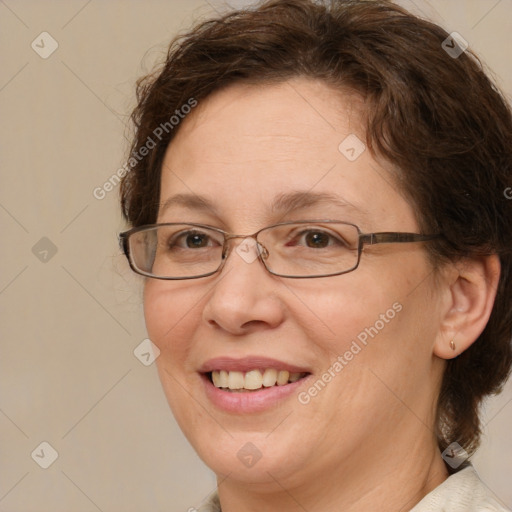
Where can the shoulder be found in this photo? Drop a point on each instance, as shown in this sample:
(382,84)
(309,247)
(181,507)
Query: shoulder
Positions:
(463,491)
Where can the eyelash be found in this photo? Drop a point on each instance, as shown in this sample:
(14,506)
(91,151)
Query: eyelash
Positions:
(175,239)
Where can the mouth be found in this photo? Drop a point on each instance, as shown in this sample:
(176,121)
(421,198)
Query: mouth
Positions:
(252,380)
(251,384)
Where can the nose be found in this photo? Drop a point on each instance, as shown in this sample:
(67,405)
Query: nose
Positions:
(245,297)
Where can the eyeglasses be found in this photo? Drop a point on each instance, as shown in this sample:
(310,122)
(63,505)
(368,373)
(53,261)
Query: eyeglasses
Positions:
(300,249)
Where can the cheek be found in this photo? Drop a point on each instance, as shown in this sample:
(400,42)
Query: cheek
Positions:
(344,309)
(170,310)
(171,315)
(156,312)
(370,316)
(372,345)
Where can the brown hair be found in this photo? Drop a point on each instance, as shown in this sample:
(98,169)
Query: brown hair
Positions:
(438,118)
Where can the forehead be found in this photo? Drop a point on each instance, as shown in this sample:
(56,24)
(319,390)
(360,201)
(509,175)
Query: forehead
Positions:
(246,145)
(245,121)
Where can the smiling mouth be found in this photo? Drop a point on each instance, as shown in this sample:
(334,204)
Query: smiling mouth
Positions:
(253,380)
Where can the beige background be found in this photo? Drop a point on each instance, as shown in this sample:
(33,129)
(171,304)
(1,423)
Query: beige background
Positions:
(70,323)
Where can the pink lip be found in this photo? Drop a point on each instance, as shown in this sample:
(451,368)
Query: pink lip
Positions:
(249,363)
(253,401)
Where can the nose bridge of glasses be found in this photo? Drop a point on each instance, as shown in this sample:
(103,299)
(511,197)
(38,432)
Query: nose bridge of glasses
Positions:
(261,249)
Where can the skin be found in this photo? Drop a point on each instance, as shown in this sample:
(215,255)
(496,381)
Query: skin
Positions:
(366,441)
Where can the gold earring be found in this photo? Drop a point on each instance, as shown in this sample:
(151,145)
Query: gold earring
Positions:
(452,345)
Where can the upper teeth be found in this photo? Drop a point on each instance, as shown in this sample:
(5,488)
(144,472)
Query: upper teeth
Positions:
(253,379)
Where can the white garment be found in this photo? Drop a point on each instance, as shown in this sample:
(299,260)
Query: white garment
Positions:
(460,492)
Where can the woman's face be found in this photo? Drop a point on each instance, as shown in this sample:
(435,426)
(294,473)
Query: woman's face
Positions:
(364,339)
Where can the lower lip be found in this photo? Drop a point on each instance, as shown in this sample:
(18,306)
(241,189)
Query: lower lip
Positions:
(251,401)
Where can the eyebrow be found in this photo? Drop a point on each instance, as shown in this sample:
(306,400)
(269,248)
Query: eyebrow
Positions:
(190,201)
(282,203)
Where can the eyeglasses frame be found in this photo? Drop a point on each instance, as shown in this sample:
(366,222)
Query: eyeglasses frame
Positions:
(384,237)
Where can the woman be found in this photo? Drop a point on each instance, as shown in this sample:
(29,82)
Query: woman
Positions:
(319,211)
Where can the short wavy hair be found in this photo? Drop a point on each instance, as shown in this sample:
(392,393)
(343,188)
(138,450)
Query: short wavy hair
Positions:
(439,119)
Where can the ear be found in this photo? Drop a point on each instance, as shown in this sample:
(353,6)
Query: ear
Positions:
(470,290)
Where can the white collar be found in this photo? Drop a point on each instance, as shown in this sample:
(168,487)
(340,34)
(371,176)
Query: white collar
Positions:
(461,492)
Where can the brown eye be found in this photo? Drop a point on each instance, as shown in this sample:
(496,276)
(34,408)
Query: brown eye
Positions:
(317,239)
(196,240)
(192,240)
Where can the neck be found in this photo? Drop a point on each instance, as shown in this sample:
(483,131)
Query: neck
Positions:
(394,480)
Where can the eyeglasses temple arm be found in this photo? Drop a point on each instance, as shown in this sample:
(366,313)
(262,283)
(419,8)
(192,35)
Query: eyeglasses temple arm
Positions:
(391,237)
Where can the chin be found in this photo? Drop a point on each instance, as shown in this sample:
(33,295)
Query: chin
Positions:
(251,459)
